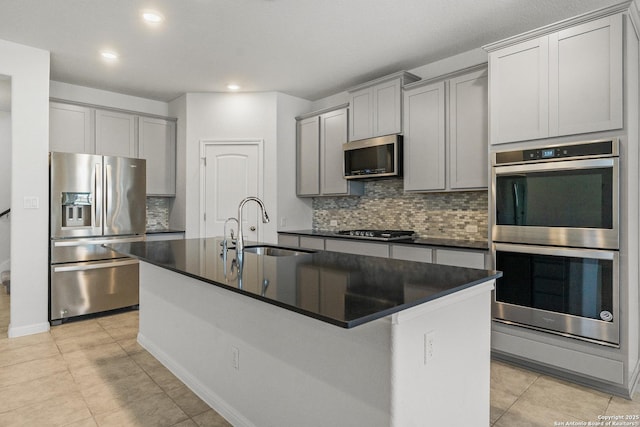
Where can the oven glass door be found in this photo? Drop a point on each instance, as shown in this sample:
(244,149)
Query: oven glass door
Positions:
(570,203)
(570,291)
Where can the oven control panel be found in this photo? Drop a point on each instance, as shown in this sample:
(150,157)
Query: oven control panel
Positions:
(606,148)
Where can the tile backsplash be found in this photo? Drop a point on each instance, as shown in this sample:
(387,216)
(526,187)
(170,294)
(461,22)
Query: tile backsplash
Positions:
(158,213)
(385,205)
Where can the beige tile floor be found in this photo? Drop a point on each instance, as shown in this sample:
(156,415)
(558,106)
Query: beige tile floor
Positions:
(93,373)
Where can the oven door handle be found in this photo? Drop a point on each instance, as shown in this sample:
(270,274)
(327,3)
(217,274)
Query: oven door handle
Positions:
(557,251)
(94,266)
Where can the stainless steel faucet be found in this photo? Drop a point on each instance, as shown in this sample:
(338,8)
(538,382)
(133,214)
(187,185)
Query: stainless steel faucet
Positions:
(265,219)
(225,243)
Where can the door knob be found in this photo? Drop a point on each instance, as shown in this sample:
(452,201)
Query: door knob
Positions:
(252,228)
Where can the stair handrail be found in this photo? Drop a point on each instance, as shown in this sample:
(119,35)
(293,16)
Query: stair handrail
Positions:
(5,213)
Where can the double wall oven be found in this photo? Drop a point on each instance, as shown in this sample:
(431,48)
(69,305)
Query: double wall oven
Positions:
(555,232)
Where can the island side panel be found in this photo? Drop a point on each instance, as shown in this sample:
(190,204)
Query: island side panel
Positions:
(292,370)
(441,365)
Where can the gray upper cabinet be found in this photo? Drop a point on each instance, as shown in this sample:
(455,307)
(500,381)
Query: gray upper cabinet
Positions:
(376,106)
(157,144)
(333,133)
(84,129)
(71,128)
(564,83)
(115,133)
(320,170)
(445,134)
(424,138)
(468,131)
(308,162)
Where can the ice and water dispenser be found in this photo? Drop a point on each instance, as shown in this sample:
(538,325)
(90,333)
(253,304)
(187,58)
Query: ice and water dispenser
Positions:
(76,209)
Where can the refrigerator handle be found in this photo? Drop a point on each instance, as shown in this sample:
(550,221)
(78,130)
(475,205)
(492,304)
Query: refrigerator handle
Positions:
(97,189)
(107,179)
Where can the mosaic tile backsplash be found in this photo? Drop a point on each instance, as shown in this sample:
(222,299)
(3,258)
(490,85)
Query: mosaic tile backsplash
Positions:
(158,213)
(385,205)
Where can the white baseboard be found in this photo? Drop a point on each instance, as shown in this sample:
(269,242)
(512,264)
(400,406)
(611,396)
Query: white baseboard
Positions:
(21,331)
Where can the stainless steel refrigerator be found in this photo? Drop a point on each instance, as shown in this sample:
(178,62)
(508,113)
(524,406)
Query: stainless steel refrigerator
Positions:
(94,200)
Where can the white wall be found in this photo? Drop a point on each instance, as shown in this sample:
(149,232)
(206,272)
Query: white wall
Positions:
(5,171)
(29,72)
(293,213)
(240,116)
(177,216)
(86,95)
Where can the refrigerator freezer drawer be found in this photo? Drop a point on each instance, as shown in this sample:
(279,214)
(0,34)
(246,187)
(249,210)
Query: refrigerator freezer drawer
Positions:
(86,288)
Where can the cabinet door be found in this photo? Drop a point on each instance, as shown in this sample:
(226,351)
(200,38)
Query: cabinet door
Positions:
(586,77)
(308,144)
(361,117)
(115,134)
(424,138)
(333,133)
(387,98)
(519,101)
(468,131)
(71,128)
(157,144)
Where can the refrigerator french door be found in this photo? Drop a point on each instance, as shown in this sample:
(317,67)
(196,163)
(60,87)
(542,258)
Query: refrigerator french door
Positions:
(94,200)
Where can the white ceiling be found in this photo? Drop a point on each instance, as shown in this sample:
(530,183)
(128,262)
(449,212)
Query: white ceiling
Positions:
(305,48)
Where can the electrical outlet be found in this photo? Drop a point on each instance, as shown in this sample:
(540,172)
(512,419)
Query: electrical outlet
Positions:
(429,346)
(236,357)
(333,223)
(471,228)
(283,222)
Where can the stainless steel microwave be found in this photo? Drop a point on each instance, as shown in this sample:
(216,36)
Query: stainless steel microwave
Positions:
(373,158)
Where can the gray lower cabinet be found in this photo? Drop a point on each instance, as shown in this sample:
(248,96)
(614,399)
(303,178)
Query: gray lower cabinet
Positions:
(446,133)
(459,257)
(320,170)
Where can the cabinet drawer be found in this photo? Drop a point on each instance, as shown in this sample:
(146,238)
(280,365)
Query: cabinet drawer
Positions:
(461,258)
(409,253)
(288,240)
(358,248)
(312,243)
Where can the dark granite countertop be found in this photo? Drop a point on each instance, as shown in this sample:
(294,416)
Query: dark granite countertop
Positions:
(343,289)
(163,230)
(430,241)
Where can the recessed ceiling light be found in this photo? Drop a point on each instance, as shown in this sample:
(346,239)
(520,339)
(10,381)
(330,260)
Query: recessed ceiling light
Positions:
(109,55)
(152,17)
(233,86)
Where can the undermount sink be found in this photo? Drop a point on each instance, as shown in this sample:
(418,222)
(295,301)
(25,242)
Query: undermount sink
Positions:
(275,251)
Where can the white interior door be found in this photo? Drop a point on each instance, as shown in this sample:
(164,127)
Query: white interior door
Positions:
(232,171)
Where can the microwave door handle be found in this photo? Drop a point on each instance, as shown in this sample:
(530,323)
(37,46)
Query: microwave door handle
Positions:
(516,203)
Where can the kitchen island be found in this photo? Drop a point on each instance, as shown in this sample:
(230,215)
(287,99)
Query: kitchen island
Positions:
(320,338)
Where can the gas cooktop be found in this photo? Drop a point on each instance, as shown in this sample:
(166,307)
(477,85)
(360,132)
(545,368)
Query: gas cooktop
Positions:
(384,235)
